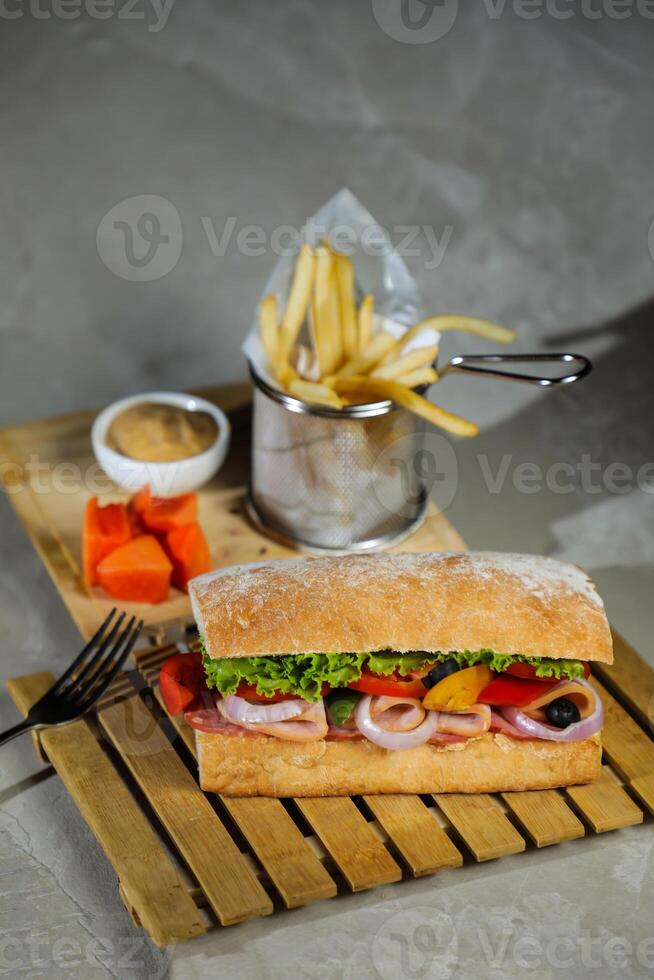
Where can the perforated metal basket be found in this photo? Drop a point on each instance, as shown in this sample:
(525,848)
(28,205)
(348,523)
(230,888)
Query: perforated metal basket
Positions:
(334,480)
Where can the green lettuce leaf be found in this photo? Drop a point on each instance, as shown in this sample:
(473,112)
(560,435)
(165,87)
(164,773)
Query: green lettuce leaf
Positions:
(340,705)
(305,674)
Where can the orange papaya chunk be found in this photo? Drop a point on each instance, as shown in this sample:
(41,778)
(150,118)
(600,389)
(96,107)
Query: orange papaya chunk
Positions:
(188,550)
(105,529)
(139,571)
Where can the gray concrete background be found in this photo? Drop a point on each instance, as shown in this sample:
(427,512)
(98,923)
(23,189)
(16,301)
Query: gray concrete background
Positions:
(531,139)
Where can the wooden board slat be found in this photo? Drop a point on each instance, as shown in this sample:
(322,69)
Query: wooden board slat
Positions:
(414,830)
(293,867)
(481,824)
(605,804)
(25,691)
(643,786)
(625,744)
(270,847)
(153,886)
(231,889)
(350,841)
(296,871)
(545,816)
(633,677)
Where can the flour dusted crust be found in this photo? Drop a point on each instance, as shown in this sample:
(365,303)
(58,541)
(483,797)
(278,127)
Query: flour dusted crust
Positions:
(441,601)
(263,766)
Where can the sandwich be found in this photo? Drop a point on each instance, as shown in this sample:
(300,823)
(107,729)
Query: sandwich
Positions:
(393,673)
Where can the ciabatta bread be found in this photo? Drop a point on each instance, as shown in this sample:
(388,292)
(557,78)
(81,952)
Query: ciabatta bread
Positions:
(256,765)
(513,604)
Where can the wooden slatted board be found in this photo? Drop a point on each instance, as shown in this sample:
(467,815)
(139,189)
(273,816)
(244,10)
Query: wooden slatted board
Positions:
(52,515)
(131,769)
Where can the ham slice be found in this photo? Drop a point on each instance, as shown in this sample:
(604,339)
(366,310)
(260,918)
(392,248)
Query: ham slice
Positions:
(397,714)
(310,726)
(444,738)
(340,733)
(208,720)
(211,721)
(475,720)
(582,696)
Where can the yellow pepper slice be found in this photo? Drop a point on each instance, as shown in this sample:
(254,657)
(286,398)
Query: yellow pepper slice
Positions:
(458,691)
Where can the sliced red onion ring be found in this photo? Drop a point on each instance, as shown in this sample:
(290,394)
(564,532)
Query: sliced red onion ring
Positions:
(573,733)
(392,740)
(241,711)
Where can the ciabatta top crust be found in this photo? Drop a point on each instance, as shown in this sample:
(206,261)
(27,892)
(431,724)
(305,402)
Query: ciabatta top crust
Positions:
(439,601)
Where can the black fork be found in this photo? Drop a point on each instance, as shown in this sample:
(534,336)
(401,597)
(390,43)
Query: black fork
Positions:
(87,678)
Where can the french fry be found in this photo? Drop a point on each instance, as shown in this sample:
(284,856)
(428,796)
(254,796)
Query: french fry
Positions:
(298,299)
(318,394)
(269,331)
(286,374)
(451,321)
(418,378)
(365,321)
(417,358)
(470,324)
(380,388)
(345,279)
(367,359)
(325,314)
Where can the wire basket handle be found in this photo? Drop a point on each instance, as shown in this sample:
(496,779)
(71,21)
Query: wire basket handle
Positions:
(574,367)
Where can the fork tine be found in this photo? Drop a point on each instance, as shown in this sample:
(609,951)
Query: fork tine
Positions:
(77,682)
(96,667)
(97,636)
(128,641)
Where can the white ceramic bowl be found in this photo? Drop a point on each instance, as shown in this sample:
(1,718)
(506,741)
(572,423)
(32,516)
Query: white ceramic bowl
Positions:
(165,479)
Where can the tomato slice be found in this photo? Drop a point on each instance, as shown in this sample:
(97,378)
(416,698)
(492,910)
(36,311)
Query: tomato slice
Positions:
(528,673)
(391,685)
(181,681)
(505,690)
(525,671)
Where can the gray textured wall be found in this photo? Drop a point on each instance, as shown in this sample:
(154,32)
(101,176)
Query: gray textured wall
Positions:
(531,140)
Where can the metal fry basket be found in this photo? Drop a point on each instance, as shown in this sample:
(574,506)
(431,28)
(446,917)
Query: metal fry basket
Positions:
(334,480)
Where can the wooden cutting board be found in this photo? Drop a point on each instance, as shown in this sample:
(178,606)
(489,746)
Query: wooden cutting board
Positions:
(273,855)
(49,472)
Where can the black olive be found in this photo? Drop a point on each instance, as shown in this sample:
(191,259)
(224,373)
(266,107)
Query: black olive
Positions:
(439,671)
(562,713)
